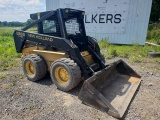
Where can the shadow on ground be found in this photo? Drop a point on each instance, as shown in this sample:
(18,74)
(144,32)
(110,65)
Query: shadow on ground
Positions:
(48,82)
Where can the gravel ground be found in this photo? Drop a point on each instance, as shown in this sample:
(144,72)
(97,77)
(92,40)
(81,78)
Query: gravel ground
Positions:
(22,99)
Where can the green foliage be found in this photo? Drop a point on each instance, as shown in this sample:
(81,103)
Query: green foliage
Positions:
(29,21)
(103,43)
(153,34)
(7,49)
(134,53)
(6,32)
(32,29)
(11,24)
(15,23)
(155,12)
(113,52)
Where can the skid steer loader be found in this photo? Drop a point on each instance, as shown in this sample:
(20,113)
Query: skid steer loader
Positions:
(62,48)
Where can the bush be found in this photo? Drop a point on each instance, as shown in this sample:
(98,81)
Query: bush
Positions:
(7,52)
(113,53)
(103,43)
(153,34)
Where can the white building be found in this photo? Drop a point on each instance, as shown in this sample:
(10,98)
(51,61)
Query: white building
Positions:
(119,21)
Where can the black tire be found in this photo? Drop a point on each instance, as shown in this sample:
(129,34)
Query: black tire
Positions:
(153,54)
(37,63)
(72,70)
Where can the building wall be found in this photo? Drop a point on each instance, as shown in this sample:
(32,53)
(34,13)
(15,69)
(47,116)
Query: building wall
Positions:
(129,21)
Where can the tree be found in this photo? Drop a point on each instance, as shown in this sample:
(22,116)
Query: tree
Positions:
(5,23)
(29,21)
(1,24)
(155,11)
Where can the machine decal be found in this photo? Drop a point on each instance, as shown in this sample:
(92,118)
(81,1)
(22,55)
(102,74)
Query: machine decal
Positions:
(41,37)
(20,34)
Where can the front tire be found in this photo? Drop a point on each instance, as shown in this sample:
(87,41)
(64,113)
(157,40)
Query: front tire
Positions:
(65,74)
(34,67)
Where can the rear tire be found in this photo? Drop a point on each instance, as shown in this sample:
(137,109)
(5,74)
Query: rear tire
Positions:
(34,67)
(65,74)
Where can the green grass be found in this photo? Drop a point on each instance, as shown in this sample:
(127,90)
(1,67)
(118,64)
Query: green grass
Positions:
(134,53)
(32,29)
(7,49)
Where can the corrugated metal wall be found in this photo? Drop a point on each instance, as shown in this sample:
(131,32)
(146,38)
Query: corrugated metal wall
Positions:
(136,25)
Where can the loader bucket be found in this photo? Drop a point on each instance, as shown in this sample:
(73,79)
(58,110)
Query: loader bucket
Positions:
(111,89)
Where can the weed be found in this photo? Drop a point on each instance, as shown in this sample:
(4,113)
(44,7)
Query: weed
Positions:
(7,52)
(31,107)
(113,52)
(157,60)
(133,59)
(20,76)
(7,85)
(134,53)
(18,92)
(103,43)
(3,76)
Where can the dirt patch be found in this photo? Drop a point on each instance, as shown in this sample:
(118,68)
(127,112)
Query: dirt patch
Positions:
(22,99)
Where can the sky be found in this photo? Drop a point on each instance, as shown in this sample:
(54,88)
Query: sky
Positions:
(20,10)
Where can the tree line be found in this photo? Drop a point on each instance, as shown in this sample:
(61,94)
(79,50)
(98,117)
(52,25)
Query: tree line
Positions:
(11,24)
(15,23)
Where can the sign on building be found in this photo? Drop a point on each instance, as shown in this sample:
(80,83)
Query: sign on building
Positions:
(119,21)
(110,14)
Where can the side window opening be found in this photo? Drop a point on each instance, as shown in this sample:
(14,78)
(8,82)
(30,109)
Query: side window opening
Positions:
(72,26)
(49,26)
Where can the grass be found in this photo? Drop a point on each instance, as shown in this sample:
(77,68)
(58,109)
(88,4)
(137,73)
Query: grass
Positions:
(7,49)
(134,53)
(32,29)
(3,76)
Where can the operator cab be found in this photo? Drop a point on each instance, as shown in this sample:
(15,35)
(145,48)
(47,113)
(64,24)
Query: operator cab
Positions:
(65,23)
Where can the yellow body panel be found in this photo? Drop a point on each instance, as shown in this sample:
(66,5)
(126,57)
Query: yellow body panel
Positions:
(51,56)
(29,50)
(86,55)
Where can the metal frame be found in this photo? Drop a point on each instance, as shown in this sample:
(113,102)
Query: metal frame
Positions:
(63,44)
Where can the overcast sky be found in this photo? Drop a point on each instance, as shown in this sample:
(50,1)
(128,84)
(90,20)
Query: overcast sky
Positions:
(19,10)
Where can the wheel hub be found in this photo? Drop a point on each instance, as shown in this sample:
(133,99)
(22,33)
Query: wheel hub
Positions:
(30,68)
(61,75)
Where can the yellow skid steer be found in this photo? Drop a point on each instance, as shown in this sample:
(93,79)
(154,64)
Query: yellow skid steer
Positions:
(62,48)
